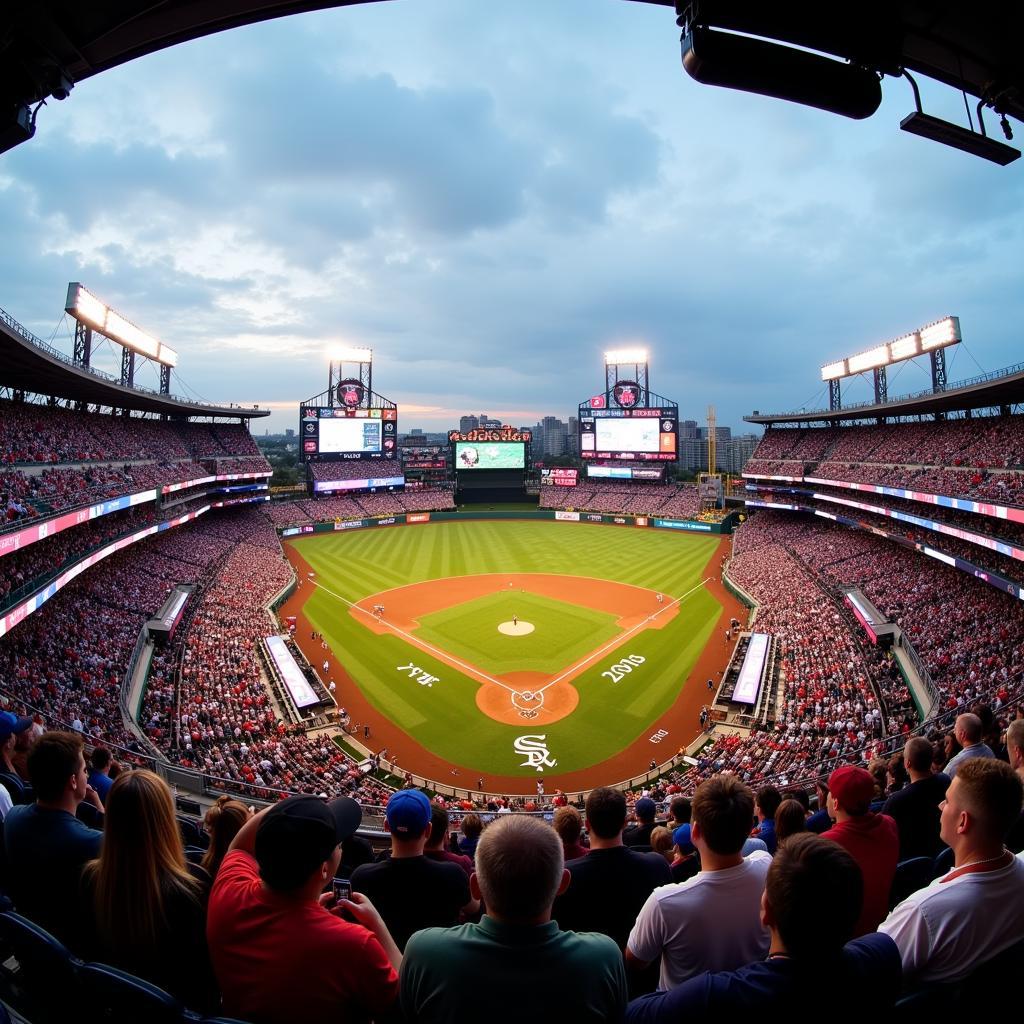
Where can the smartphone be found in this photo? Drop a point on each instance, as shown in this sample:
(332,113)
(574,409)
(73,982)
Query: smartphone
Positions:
(342,889)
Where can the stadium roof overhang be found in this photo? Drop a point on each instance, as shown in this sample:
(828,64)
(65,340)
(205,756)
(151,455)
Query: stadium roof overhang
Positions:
(27,366)
(48,45)
(1005,390)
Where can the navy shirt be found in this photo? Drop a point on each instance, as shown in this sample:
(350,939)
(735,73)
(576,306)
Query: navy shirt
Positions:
(869,966)
(46,851)
(915,809)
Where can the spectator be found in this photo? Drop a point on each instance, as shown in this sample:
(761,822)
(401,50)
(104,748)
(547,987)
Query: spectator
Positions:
(968,732)
(915,808)
(223,821)
(409,890)
(766,804)
(1015,751)
(569,826)
(819,821)
(661,844)
(685,861)
(47,846)
(807,962)
(639,834)
(471,828)
(871,839)
(455,973)
(711,922)
(972,912)
(679,811)
(279,954)
(790,819)
(99,771)
(142,908)
(610,884)
(435,848)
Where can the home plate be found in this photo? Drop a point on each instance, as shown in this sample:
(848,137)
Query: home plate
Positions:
(519,628)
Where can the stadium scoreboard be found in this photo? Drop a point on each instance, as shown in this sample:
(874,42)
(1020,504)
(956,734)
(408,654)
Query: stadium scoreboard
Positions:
(638,435)
(340,433)
(489,448)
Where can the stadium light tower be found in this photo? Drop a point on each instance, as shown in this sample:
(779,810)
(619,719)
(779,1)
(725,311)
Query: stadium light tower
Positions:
(350,377)
(626,372)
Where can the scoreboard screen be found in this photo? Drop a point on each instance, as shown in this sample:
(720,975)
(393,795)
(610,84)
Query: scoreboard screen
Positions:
(490,455)
(348,433)
(635,434)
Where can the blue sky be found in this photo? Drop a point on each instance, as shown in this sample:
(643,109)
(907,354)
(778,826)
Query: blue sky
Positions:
(489,196)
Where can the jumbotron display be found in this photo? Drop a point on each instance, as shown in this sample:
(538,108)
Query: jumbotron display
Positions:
(490,455)
(638,434)
(349,433)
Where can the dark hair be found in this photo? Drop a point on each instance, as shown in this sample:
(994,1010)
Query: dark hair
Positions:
(799,795)
(100,758)
(54,758)
(768,800)
(438,824)
(681,809)
(723,807)
(790,819)
(918,753)
(472,826)
(805,871)
(606,812)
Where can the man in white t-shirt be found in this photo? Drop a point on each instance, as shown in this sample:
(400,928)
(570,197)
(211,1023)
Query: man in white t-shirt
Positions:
(972,913)
(711,922)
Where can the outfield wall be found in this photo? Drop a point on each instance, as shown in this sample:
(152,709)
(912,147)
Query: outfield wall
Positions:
(542,515)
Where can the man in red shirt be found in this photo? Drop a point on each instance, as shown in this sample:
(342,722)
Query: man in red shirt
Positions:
(873,840)
(280,955)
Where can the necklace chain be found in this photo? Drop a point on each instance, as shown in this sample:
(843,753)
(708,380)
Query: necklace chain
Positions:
(987,860)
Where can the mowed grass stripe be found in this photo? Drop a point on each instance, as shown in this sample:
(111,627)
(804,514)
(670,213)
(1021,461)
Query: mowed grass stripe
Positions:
(444,717)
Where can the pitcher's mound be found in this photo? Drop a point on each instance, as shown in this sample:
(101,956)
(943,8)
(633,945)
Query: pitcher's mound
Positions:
(519,628)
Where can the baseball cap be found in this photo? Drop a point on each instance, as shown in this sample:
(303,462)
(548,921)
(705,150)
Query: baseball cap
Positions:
(852,788)
(645,808)
(13,724)
(297,835)
(408,813)
(681,837)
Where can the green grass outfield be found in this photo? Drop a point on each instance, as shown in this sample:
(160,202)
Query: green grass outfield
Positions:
(444,717)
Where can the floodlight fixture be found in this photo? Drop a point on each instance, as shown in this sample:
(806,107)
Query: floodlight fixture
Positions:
(949,134)
(906,347)
(349,354)
(941,333)
(874,357)
(89,310)
(84,306)
(167,355)
(833,371)
(625,355)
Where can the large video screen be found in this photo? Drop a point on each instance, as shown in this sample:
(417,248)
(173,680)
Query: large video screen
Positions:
(490,455)
(641,434)
(350,436)
(337,433)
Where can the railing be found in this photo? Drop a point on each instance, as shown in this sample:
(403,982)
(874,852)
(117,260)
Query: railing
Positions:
(982,378)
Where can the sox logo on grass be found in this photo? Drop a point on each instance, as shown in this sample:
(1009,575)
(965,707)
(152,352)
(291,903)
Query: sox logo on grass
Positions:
(536,750)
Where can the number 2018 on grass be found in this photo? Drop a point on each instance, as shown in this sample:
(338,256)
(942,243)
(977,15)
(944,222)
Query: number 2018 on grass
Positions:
(624,667)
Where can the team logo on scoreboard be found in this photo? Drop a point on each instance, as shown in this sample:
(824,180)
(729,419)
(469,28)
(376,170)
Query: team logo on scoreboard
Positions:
(309,426)
(626,394)
(350,394)
(667,426)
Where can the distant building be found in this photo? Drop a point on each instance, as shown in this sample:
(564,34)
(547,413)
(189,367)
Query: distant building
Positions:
(468,423)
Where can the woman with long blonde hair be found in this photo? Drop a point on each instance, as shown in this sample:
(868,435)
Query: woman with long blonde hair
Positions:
(143,909)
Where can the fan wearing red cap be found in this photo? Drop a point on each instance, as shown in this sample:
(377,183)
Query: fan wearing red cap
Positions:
(872,840)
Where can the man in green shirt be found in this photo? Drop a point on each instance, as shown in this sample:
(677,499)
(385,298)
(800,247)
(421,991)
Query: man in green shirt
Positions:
(450,974)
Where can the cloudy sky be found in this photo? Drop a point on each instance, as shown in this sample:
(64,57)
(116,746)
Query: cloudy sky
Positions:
(489,196)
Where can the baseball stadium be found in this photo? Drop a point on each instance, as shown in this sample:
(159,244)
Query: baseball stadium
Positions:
(433,700)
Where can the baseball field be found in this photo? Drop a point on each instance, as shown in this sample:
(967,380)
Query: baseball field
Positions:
(502,650)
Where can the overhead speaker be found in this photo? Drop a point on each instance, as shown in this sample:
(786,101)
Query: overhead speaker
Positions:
(769,69)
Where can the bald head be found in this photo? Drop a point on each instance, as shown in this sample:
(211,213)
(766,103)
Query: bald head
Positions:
(1015,743)
(968,730)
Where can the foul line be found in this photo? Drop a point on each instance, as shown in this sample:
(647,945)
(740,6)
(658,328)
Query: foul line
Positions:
(615,641)
(443,656)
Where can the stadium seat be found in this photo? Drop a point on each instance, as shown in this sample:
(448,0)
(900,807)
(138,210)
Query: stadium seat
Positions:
(117,997)
(46,969)
(5,1017)
(194,854)
(943,862)
(191,833)
(911,875)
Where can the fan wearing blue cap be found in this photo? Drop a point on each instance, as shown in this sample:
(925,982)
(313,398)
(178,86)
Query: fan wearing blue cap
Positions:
(410,890)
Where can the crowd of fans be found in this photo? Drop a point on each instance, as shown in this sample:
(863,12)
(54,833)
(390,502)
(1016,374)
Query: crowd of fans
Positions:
(615,497)
(358,506)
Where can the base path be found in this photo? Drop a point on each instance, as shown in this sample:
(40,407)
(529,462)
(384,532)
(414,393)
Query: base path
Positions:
(679,723)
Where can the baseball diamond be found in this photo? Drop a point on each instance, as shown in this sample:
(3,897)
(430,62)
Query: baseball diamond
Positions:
(450,687)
